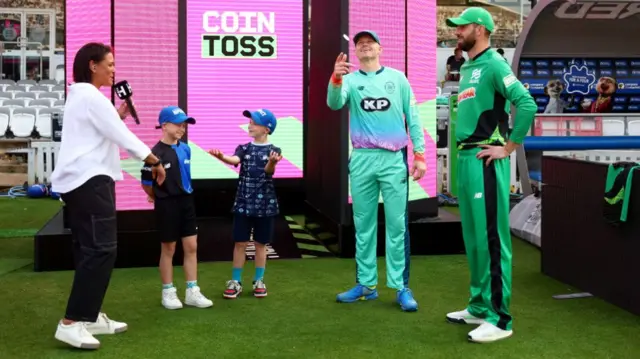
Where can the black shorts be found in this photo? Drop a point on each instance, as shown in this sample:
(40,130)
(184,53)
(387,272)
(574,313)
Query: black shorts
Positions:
(262,228)
(175,218)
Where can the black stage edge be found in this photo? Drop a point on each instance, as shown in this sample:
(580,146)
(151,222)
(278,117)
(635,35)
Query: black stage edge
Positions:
(578,247)
(429,235)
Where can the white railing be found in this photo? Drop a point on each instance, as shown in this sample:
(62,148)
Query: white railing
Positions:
(40,160)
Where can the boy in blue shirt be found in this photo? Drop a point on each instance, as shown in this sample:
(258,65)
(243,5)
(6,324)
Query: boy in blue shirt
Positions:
(256,204)
(174,208)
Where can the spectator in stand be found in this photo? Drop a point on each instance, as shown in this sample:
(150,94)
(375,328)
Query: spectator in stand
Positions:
(454,62)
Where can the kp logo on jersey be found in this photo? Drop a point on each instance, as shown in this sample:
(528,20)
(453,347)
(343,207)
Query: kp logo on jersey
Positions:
(375,104)
(467,94)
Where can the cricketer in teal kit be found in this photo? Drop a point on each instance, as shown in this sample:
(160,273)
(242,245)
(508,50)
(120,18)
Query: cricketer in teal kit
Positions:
(382,106)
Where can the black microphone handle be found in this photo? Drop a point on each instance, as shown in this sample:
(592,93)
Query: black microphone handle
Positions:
(132,110)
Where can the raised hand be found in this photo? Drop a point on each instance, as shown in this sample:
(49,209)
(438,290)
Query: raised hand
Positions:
(275,157)
(342,66)
(216,153)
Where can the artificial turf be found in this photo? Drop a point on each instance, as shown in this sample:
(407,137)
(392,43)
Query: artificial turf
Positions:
(300,318)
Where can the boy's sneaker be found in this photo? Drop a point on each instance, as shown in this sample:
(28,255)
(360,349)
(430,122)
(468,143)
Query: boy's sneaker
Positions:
(406,300)
(194,298)
(234,288)
(259,289)
(487,333)
(359,292)
(76,335)
(170,299)
(104,325)
(464,317)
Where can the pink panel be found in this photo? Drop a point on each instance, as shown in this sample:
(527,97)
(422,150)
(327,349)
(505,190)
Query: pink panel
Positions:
(86,21)
(219,88)
(146,55)
(421,26)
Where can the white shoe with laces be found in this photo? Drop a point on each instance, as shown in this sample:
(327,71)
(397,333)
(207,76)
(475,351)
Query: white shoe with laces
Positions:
(463,317)
(104,325)
(76,335)
(170,299)
(488,333)
(194,298)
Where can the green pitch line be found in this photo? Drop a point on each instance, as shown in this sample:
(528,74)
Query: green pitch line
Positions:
(427,111)
(288,136)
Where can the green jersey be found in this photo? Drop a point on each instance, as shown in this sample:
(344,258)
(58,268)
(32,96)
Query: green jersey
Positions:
(487,87)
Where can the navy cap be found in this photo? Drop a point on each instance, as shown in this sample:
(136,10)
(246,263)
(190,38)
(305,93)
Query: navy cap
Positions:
(366,32)
(175,115)
(262,117)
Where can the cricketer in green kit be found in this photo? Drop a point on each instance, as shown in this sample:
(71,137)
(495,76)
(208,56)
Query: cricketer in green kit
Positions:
(381,103)
(487,89)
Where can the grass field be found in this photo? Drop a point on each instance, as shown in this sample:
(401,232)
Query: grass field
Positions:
(300,318)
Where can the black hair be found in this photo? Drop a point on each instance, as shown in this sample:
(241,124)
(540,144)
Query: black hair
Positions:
(500,51)
(93,51)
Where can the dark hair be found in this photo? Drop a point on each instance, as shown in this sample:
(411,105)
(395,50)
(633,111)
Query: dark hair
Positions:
(93,51)
(500,51)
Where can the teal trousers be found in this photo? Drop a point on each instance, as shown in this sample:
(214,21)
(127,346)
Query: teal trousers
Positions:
(375,171)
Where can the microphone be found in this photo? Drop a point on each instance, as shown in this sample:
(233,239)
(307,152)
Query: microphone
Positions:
(124,92)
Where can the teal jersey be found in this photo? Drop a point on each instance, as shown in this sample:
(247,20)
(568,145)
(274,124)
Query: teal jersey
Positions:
(487,89)
(379,103)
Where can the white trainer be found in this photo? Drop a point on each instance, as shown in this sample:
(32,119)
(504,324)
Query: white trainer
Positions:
(463,317)
(76,335)
(104,325)
(194,298)
(170,299)
(488,333)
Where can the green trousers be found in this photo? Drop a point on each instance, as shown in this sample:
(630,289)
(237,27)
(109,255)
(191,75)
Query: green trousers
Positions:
(375,171)
(483,197)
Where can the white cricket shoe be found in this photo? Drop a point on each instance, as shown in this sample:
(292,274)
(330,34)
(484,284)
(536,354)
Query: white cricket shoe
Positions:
(76,335)
(463,317)
(488,333)
(194,298)
(170,299)
(104,325)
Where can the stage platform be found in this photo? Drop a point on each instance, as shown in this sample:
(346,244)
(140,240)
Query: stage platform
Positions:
(301,235)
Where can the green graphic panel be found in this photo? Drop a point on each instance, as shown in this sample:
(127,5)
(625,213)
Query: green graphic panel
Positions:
(453,148)
(287,136)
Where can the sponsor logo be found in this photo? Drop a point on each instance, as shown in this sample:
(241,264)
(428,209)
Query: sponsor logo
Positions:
(475,76)
(599,10)
(467,94)
(375,104)
(509,80)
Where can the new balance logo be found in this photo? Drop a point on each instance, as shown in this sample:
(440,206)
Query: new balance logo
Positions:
(375,104)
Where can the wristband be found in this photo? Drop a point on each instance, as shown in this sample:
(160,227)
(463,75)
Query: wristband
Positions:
(418,157)
(335,80)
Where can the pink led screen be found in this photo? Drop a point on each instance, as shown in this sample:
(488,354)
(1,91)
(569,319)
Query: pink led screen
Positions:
(415,28)
(146,55)
(244,55)
(86,21)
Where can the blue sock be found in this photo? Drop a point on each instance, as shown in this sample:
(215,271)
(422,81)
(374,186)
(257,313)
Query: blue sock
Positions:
(259,273)
(237,274)
(167,286)
(191,284)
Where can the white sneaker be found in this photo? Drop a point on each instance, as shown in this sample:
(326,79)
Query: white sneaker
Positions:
(463,317)
(487,333)
(233,289)
(104,325)
(170,299)
(194,298)
(76,335)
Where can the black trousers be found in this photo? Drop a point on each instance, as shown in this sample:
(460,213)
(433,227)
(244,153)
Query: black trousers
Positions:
(92,219)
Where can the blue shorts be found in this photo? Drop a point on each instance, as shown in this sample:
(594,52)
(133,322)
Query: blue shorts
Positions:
(262,228)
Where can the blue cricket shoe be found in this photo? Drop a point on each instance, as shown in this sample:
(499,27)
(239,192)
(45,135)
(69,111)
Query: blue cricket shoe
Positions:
(359,292)
(406,301)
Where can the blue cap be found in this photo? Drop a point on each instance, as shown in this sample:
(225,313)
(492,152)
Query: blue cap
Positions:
(175,115)
(263,117)
(366,32)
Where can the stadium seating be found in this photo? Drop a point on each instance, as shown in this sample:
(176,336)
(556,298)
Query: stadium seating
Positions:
(26,107)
